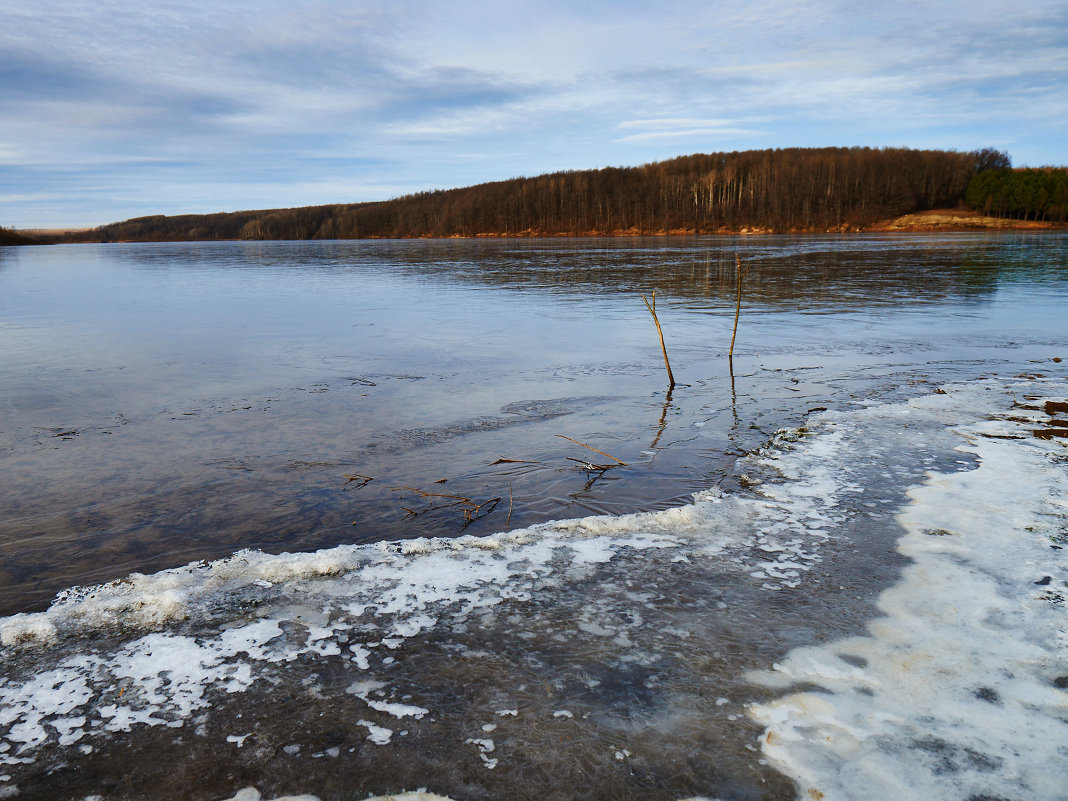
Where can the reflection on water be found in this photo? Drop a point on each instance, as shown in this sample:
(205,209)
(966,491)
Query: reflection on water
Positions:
(835,272)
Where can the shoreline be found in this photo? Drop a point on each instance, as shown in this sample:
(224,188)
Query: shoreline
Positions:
(931,221)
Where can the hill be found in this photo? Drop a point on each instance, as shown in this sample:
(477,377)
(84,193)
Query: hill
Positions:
(781,190)
(8,237)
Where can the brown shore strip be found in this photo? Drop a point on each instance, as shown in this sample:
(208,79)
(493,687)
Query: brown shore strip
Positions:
(932,221)
(963,220)
(935,221)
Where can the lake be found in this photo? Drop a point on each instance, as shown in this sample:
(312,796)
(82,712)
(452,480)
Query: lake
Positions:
(349,518)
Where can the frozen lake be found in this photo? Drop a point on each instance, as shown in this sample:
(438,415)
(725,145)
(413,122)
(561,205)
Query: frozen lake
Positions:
(764,601)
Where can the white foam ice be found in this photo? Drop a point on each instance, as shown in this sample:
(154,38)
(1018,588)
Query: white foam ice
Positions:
(379,735)
(252,794)
(959,691)
(401,585)
(364,689)
(485,748)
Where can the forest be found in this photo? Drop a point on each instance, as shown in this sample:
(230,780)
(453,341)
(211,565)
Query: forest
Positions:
(1029,194)
(8,237)
(780,190)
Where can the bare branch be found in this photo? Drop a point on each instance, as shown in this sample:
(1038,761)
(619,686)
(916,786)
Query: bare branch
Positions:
(591,448)
(656,320)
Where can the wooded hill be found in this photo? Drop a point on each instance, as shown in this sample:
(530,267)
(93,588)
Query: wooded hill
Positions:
(1030,194)
(787,190)
(12,238)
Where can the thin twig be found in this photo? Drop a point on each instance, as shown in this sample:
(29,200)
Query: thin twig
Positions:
(472,509)
(652,310)
(513,461)
(471,515)
(591,467)
(590,447)
(737,309)
(364,480)
(508,521)
(426,494)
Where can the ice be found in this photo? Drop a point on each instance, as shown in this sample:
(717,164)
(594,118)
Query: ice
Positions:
(968,636)
(252,794)
(485,747)
(402,588)
(379,735)
(957,697)
(363,691)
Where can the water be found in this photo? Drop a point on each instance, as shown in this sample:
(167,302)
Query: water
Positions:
(179,402)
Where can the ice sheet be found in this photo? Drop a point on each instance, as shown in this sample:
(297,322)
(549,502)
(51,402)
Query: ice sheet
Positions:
(959,690)
(153,650)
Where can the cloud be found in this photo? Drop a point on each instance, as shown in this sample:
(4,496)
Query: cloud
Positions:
(130,107)
(682,128)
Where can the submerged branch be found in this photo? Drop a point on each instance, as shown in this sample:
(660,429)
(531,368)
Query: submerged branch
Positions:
(592,467)
(362,480)
(472,510)
(590,447)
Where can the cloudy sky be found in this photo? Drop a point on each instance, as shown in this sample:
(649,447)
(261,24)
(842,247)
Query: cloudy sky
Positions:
(118,108)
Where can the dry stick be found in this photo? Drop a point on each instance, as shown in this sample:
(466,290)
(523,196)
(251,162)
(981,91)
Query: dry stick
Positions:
(590,447)
(425,494)
(508,521)
(590,466)
(470,508)
(471,515)
(737,311)
(652,310)
(364,480)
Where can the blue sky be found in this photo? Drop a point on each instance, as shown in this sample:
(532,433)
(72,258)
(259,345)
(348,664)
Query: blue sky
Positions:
(115,109)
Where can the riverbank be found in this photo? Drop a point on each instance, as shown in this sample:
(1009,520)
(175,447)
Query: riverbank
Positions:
(932,221)
(950,220)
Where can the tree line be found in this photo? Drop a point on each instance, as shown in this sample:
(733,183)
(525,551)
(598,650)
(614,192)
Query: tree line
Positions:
(780,190)
(1027,194)
(9,237)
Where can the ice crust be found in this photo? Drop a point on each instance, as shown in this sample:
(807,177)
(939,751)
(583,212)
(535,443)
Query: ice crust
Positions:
(951,695)
(252,794)
(397,590)
(186,633)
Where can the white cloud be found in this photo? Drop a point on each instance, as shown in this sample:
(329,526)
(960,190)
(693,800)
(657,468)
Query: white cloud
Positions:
(682,128)
(431,94)
(705,134)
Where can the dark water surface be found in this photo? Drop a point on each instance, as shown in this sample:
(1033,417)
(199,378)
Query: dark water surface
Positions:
(164,403)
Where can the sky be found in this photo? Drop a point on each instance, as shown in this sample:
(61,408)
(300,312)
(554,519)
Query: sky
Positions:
(121,108)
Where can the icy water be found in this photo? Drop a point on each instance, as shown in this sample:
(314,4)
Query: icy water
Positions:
(313,529)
